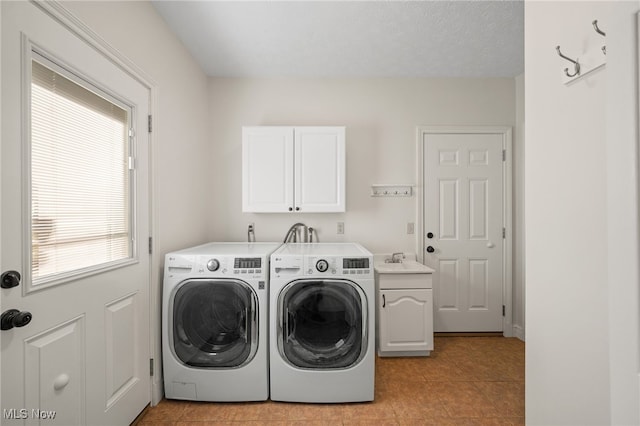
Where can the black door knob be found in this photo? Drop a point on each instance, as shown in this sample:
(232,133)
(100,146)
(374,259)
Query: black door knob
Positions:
(430,249)
(14,318)
(10,279)
(429,234)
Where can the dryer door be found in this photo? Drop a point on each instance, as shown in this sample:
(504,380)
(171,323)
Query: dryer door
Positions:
(214,323)
(323,324)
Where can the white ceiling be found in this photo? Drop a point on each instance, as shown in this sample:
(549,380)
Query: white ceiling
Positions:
(426,38)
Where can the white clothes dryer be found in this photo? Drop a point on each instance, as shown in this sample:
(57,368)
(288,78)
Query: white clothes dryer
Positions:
(215,322)
(322,323)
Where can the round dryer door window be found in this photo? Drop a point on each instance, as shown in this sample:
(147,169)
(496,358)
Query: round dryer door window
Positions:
(214,323)
(323,323)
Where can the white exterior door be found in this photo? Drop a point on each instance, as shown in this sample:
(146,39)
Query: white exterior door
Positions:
(84,357)
(463,229)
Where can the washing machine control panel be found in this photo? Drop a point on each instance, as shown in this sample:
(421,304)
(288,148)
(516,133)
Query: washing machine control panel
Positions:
(248,266)
(356,266)
(332,265)
(325,265)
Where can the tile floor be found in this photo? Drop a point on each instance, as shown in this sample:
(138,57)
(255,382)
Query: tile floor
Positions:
(465,381)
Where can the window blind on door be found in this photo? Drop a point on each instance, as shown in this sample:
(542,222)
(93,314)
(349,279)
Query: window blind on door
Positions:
(80,177)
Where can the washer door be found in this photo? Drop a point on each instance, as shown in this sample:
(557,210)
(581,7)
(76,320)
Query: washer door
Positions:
(214,323)
(323,324)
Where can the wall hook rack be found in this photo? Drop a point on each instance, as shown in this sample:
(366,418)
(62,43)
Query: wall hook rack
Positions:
(391,190)
(576,65)
(602,33)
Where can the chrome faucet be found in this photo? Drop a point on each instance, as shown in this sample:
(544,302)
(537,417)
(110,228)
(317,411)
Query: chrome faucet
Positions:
(397,257)
(292,233)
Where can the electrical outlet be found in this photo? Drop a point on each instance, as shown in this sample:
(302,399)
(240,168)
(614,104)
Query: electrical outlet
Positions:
(410,227)
(340,229)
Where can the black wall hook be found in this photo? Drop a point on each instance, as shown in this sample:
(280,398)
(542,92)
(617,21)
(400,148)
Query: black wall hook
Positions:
(599,31)
(576,65)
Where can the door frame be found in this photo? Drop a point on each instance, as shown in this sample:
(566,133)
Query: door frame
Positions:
(507,205)
(69,21)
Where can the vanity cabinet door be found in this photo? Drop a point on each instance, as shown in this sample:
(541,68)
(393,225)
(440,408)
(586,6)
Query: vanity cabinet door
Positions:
(405,320)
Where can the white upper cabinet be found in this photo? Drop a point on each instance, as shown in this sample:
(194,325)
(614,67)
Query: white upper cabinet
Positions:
(293,169)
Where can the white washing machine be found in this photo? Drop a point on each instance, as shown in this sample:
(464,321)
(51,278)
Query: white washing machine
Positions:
(215,322)
(322,323)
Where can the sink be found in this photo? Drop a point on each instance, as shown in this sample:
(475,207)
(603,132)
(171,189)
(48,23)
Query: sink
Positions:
(406,267)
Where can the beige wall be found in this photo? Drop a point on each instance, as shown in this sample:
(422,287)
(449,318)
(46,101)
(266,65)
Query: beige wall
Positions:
(623,182)
(567,377)
(582,257)
(381,116)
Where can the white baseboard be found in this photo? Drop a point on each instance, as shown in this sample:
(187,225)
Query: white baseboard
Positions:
(518,331)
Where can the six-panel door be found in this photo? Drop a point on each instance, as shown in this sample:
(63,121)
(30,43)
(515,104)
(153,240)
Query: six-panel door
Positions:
(463,208)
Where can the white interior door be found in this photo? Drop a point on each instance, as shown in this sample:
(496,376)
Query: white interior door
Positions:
(463,229)
(84,356)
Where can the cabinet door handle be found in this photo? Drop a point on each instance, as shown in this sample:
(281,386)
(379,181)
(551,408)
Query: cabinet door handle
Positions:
(384,301)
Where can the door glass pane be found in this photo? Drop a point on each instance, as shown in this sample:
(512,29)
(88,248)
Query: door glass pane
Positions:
(80,176)
(213,323)
(323,324)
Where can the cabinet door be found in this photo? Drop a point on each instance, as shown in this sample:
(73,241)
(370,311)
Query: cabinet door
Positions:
(267,169)
(320,169)
(406,320)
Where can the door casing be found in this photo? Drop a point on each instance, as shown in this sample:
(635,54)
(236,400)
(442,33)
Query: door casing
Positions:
(507,203)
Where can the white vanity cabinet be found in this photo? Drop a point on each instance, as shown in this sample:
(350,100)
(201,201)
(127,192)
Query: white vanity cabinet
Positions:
(293,169)
(405,310)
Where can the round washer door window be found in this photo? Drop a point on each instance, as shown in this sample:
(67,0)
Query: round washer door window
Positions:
(215,323)
(323,324)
